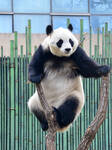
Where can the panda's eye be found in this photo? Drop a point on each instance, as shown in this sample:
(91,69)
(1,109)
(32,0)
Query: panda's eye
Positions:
(71,42)
(59,43)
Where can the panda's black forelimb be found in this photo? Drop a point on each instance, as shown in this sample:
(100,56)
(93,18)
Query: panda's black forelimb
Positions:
(66,113)
(87,66)
(35,69)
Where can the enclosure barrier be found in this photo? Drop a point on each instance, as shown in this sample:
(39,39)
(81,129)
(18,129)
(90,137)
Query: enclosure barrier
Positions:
(19,130)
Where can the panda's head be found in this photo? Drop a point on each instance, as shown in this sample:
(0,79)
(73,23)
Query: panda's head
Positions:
(61,41)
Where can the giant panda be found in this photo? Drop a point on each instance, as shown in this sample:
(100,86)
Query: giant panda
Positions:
(58,64)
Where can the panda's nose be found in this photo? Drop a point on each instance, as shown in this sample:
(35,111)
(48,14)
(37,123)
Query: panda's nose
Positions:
(67,49)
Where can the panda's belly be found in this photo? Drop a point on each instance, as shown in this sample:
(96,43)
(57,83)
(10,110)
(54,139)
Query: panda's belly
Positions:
(57,85)
(57,88)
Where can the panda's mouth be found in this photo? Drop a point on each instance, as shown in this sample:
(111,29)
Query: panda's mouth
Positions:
(66,52)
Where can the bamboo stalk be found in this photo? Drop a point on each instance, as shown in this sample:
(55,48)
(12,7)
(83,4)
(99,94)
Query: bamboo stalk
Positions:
(8,103)
(29,38)
(22,98)
(16,90)
(12,105)
(106,39)
(103,43)
(26,40)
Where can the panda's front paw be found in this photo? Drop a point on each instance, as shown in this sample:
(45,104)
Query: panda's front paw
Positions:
(103,70)
(36,79)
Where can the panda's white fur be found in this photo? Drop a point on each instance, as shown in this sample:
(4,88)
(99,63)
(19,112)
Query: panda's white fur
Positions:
(56,86)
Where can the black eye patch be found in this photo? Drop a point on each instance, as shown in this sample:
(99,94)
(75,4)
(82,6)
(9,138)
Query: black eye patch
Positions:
(59,43)
(71,42)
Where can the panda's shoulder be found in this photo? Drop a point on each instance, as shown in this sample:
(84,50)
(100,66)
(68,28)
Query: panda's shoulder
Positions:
(44,54)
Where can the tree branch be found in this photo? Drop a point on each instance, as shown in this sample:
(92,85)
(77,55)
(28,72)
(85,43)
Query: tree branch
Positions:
(99,118)
(51,118)
(93,127)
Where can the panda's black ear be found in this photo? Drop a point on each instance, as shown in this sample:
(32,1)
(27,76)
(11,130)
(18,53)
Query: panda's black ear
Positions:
(49,29)
(70,27)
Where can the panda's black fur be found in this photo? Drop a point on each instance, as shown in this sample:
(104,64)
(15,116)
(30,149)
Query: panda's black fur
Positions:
(45,67)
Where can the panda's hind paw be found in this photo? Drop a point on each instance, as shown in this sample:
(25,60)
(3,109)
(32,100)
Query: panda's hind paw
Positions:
(44,126)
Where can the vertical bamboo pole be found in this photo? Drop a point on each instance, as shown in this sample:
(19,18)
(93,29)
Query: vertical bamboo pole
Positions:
(22,98)
(35,48)
(73,139)
(90,104)
(84,86)
(29,37)
(12,107)
(16,91)
(110,46)
(107,116)
(4,103)
(96,51)
(24,103)
(30,88)
(106,39)
(19,99)
(103,43)
(32,121)
(26,40)
(27,95)
(8,103)
(87,103)
(68,22)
